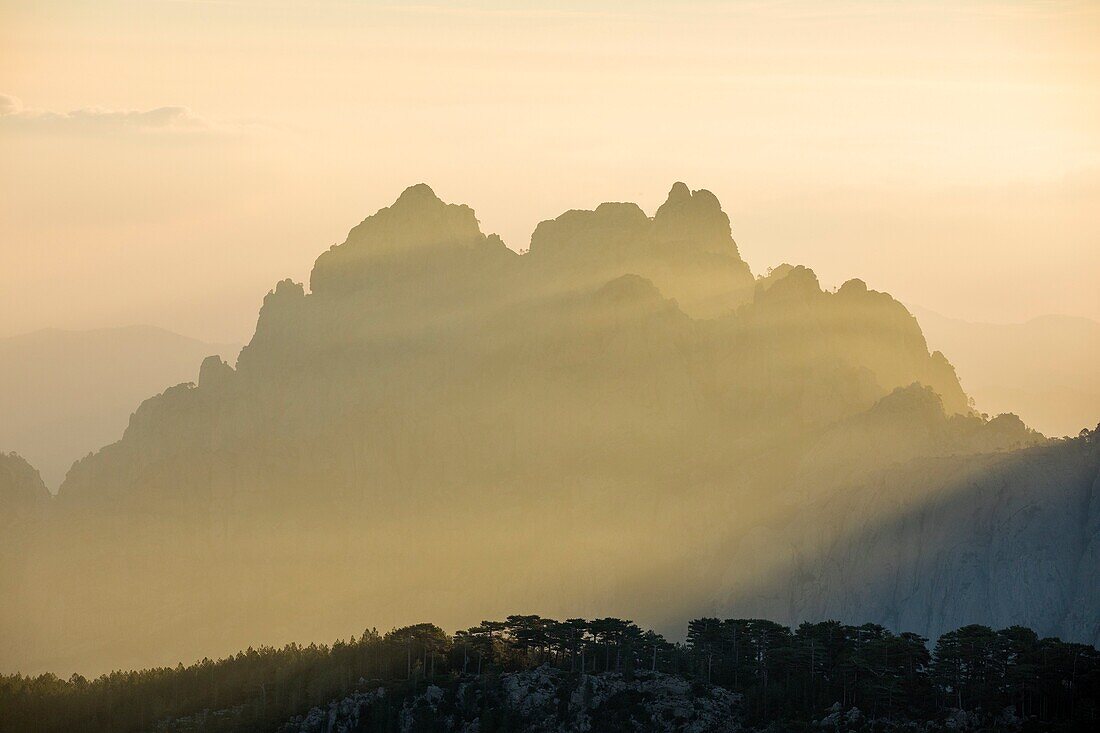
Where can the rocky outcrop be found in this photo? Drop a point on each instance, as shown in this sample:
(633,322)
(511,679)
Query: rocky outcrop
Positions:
(345,715)
(545,700)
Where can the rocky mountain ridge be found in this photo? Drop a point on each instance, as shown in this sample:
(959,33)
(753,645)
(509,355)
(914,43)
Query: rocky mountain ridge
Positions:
(622,408)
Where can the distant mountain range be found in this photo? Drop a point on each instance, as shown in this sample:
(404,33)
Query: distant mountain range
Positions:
(623,420)
(64,394)
(1046,370)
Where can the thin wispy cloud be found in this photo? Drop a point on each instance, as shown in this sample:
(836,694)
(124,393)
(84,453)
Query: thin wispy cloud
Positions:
(171,120)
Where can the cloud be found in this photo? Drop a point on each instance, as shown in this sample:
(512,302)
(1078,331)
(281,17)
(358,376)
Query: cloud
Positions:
(92,120)
(8,105)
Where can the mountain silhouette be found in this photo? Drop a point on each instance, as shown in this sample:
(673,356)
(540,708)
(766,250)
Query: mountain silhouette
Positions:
(1045,368)
(623,417)
(23,496)
(64,394)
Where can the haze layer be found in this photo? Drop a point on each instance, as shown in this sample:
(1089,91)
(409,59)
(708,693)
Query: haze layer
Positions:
(623,420)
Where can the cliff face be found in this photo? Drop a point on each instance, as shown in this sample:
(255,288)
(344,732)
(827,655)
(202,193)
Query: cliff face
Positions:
(445,427)
(929,541)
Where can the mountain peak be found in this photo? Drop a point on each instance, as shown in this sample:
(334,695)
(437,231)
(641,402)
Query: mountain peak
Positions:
(417,224)
(214,372)
(679,192)
(682,199)
(694,221)
(418,193)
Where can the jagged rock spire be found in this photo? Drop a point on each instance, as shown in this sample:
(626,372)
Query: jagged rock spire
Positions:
(417,224)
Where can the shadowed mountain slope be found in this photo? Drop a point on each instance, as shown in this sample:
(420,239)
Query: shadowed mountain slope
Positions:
(942,533)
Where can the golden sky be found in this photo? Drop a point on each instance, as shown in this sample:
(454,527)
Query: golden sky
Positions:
(167,162)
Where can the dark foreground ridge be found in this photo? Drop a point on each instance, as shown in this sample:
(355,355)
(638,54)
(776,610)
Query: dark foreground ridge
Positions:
(529,673)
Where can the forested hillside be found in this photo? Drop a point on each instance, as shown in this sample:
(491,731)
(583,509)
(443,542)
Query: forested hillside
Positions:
(532,673)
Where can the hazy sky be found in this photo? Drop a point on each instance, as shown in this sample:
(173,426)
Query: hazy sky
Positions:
(168,162)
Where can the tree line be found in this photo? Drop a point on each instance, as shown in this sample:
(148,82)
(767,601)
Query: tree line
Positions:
(784,674)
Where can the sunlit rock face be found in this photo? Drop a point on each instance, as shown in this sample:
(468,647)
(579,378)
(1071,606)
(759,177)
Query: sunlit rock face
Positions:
(441,427)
